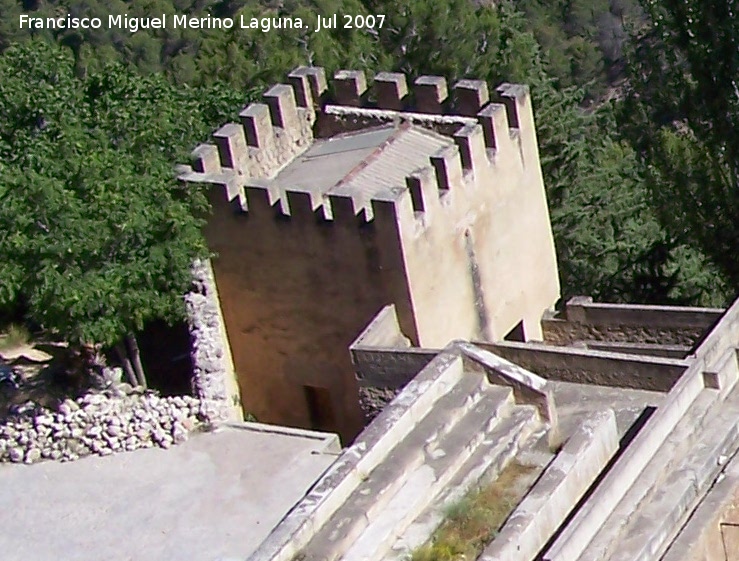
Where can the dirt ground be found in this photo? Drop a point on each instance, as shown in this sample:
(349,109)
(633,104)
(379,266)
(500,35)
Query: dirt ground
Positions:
(41,376)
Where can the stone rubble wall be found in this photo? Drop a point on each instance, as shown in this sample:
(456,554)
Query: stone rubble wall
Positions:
(213,379)
(121,418)
(373,400)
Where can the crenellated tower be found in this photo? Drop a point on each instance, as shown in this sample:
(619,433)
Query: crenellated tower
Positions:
(329,205)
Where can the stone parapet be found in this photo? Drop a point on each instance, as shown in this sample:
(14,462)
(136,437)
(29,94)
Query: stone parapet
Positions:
(583,320)
(586,366)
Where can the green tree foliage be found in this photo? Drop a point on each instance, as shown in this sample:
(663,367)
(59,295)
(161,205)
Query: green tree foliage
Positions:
(609,242)
(259,58)
(9,30)
(458,38)
(582,40)
(681,115)
(95,236)
(245,58)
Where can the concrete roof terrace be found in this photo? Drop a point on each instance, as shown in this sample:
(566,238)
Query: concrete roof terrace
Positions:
(624,448)
(215,497)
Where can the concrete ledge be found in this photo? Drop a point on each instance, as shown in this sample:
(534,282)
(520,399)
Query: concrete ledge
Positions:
(700,538)
(552,498)
(661,519)
(724,335)
(592,367)
(647,487)
(370,448)
(330,440)
(527,386)
(583,310)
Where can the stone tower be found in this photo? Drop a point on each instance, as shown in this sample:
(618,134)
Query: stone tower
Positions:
(326,208)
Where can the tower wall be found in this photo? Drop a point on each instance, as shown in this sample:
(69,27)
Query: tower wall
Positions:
(296,290)
(484,237)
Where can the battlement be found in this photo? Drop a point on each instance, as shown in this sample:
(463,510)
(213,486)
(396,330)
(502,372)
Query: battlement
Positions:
(462,135)
(428,102)
(427,95)
(270,135)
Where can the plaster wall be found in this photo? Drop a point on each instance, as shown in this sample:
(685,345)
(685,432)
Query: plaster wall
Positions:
(480,258)
(295,292)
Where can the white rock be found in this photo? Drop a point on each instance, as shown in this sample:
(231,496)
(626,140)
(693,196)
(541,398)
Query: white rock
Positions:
(113,430)
(33,455)
(94,431)
(42,420)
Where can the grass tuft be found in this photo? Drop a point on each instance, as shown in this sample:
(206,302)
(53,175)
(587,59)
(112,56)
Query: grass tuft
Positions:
(16,335)
(472,523)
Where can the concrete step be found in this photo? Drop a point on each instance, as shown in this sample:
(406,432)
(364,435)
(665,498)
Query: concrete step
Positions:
(669,508)
(520,435)
(668,458)
(380,485)
(444,460)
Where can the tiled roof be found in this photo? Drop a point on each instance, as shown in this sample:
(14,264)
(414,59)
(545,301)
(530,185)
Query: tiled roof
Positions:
(363,165)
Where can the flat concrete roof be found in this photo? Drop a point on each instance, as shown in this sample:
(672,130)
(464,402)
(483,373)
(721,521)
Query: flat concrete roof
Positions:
(573,401)
(214,497)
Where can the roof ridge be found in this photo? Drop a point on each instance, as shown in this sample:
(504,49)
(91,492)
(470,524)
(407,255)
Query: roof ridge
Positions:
(400,129)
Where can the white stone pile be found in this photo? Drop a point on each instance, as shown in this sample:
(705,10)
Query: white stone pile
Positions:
(99,423)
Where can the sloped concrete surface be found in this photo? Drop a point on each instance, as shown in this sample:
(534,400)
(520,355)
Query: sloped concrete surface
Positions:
(555,494)
(215,497)
(653,511)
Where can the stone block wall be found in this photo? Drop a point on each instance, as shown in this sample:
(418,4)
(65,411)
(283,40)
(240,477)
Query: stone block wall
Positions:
(585,320)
